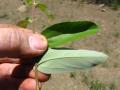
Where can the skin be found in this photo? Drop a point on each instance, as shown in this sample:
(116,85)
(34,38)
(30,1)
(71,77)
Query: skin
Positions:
(17,48)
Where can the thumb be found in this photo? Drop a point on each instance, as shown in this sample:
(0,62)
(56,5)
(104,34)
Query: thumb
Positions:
(16,42)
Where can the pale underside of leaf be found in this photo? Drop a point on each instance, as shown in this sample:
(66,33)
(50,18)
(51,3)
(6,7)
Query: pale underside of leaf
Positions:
(60,61)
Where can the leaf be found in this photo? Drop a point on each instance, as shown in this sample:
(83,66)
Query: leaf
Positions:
(61,33)
(25,22)
(60,61)
(42,7)
(29,2)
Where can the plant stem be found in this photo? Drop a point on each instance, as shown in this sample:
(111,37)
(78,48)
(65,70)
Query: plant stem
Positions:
(33,15)
(36,77)
(34,30)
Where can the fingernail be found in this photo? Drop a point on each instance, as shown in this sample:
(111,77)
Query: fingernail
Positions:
(37,42)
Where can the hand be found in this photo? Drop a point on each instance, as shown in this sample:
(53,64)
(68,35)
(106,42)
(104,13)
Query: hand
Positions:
(17,48)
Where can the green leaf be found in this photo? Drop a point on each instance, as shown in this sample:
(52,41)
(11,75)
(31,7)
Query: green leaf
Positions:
(25,22)
(61,33)
(29,2)
(42,7)
(60,61)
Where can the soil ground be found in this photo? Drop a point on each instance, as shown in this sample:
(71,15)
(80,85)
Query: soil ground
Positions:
(107,40)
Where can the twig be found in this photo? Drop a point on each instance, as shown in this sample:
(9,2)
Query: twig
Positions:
(33,15)
(36,77)
(34,30)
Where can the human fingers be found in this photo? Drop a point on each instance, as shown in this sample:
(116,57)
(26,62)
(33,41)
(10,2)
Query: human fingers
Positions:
(18,42)
(18,84)
(8,70)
